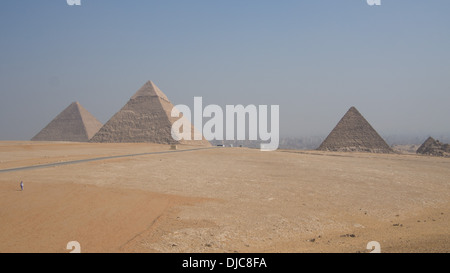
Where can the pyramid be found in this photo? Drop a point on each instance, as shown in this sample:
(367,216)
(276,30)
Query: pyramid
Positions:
(429,143)
(434,147)
(74,123)
(146,117)
(354,134)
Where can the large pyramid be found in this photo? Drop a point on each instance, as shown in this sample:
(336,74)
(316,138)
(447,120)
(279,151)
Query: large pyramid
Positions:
(354,133)
(74,123)
(145,118)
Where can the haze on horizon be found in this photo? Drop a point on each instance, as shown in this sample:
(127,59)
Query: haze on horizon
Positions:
(314,58)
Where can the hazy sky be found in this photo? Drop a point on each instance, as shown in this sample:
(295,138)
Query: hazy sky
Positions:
(315,58)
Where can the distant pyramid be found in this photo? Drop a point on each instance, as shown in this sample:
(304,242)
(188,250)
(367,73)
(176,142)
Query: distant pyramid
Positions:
(354,133)
(75,123)
(429,143)
(145,118)
(434,147)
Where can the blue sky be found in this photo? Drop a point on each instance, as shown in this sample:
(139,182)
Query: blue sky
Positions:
(315,58)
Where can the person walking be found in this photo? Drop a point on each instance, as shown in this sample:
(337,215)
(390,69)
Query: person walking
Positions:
(21,185)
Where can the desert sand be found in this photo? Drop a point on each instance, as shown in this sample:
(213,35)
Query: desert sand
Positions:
(220,200)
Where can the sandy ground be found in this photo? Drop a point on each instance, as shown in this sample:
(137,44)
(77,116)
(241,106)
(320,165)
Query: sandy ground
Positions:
(221,200)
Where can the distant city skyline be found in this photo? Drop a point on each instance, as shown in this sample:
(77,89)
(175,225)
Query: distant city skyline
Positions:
(315,59)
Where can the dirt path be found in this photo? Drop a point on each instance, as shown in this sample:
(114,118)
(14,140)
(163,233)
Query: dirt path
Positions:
(63,163)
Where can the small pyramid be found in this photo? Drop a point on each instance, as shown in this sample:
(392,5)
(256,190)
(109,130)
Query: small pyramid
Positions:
(354,134)
(74,123)
(434,147)
(430,142)
(146,117)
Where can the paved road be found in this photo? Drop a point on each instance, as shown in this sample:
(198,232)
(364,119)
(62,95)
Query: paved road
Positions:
(96,159)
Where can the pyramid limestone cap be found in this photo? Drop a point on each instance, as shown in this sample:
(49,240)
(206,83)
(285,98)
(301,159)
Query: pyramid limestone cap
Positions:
(149,89)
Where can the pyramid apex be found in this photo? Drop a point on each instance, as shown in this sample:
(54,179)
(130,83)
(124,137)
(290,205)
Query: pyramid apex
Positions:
(149,89)
(353,109)
(77,106)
